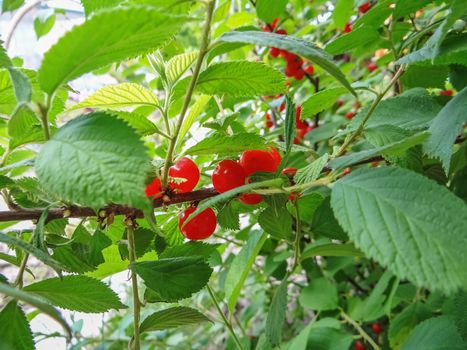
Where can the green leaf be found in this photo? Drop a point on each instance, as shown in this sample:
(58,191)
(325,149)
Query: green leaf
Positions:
(357,38)
(119,96)
(402,324)
(178,65)
(421,243)
(5,61)
(289,125)
(77,293)
(342,12)
(241,266)
(195,111)
(414,109)
(297,46)
(91,6)
(103,39)
(445,128)
(15,333)
(229,217)
(458,76)
(267,10)
(44,23)
(325,224)
(193,248)
(21,85)
(460,313)
(241,78)
(35,302)
(174,278)
(143,242)
(105,160)
(320,101)
(172,318)
(331,249)
(372,307)
(312,171)
(425,76)
(276,315)
(39,254)
(11,5)
(437,333)
(227,144)
(406,7)
(320,294)
(137,121)
(395,148)
(277,222)
(24,127)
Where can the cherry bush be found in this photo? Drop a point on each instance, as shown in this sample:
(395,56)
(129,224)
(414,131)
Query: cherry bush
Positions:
(269,174)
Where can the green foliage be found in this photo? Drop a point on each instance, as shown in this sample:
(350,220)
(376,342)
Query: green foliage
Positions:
(78,293)
(383,198)
(174,278)
(445,127)
(223,144)
(98,149)
(172,318)
(241,78)
(320,101)
(15,332)
(103,40)
(276,315)
(319,295)
(267,10)
(118,96)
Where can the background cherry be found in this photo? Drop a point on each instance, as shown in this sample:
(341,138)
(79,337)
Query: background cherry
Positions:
(228,175)
(250,198)
(201,226)
(154,189)
(376,328)
(186,169)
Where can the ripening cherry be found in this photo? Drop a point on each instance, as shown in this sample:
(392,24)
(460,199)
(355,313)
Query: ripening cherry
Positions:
(350,115)
(274,52)
(309,69)
(227,176)
(299,74)
(446,92)
(359,345)
(365,7)
(348,28)
(250,198)
(376,328)
(201,226)
(371,66)
(253,161)
(185,169)
(154,189)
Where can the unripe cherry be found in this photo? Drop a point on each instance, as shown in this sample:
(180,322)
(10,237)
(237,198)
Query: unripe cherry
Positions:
(185,169)
(227,176)
(201,226)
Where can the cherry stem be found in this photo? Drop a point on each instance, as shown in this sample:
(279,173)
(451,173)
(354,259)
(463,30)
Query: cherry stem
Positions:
(222,315)
(360,330)
(203,50)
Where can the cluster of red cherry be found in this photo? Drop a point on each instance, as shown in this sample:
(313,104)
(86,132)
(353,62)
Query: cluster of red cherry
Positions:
(228,174)
(295,66)
(303,127)
(362,9)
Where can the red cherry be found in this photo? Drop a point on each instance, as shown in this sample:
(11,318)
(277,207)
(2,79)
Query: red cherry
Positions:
(281,32)
(350,115)
(300,124)
(282,107)
(346,171)
(250,198)
(257,160)
(266,29)
(201,226)
(290,71)
(348,28)
(228,175)
(375,164)
(289,171)
(269,124)
(185,169)
(340,103)
(310,69)
(275,155)
(359,345)
(300,135)
(299,74)
(365,7)
(274,23)
(154,189)
(376,328)
(446,92)
(371,66)
(309,128)
(274,52)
